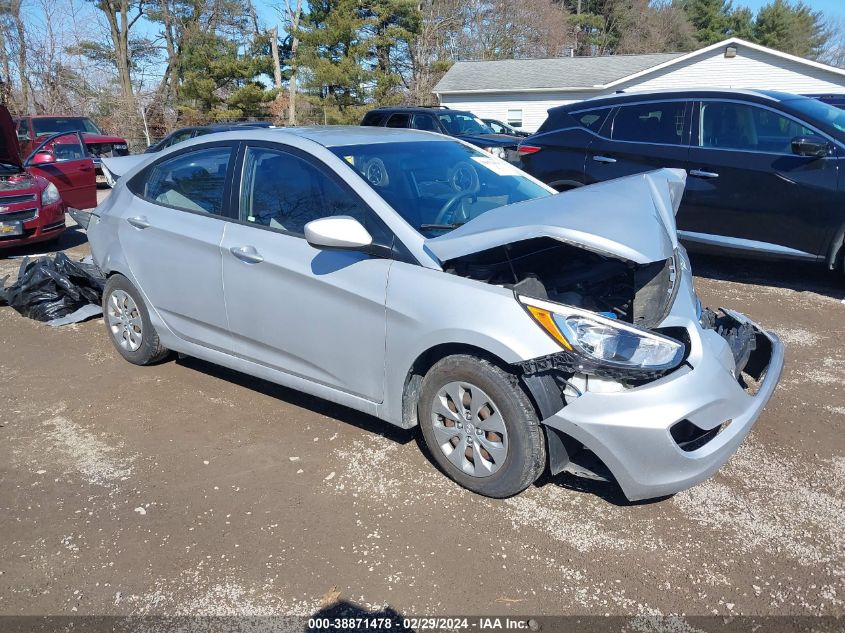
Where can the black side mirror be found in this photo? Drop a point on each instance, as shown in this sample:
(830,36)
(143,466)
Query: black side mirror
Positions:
(814,146)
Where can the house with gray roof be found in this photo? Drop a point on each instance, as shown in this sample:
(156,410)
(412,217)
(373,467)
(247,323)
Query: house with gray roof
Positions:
(520,91)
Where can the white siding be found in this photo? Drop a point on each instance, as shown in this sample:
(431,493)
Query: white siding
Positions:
(751,69)
(496,106)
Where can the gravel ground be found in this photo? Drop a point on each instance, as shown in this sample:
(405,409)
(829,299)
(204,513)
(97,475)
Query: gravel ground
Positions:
(188,489)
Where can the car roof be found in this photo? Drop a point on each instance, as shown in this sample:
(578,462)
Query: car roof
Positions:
(331,135)
(626,97)
(419,109)
(54,116)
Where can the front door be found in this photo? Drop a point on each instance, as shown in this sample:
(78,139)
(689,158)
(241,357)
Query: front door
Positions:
(316,314)
(171,239)
(642,137)
(68,166)
(747,190)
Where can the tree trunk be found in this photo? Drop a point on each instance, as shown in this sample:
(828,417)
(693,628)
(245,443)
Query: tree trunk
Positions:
(274,51)
(293,15)
(27,104)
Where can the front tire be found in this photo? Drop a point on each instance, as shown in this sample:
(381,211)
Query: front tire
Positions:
(128,323)
(480,426)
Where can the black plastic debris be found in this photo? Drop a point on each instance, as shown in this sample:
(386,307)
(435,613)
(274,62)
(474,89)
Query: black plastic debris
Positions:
(51,288)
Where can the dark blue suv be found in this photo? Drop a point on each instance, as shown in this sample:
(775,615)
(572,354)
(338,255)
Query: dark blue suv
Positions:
(458,123)
(763,167)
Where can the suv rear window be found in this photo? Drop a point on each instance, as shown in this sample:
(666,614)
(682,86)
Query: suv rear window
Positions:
(400,119)
(374,118)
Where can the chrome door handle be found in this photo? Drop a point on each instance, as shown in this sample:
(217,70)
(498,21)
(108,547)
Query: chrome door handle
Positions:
(139,222)
(703,174)
(247,254)
(604,159)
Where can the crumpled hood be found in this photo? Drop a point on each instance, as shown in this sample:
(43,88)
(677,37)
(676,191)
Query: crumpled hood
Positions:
(632,218)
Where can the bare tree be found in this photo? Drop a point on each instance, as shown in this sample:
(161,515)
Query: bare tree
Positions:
(292,14)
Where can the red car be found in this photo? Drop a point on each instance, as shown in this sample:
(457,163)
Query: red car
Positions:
(32,130)
(35,193)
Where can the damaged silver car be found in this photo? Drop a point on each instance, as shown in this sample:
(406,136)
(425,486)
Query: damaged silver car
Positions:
(420,280)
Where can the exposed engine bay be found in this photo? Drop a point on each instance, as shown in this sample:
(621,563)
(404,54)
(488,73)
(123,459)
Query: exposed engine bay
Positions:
(545,268)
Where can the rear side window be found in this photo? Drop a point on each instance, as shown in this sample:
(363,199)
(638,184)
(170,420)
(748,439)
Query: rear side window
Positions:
(193,181)
(560,120)
(424,122)
(650,123)
(400,119)
(592,119)
(374,118)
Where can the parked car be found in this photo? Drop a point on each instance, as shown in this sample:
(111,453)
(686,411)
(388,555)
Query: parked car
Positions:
(836,100)
(32,130)
(763,166)
(186,133)
(458,123)
(500,127)
(34,193)
(418,279)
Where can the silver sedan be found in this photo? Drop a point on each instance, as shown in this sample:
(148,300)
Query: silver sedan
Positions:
(418,279)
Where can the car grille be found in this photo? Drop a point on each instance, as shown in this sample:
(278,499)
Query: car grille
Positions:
(18,199)
(656,287)
(23,216)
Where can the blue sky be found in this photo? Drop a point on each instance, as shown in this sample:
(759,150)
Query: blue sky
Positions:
(831,8)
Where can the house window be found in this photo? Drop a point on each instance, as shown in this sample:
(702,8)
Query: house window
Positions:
(515,118)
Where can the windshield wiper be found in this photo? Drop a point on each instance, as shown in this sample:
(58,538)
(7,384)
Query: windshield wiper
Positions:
(439,227)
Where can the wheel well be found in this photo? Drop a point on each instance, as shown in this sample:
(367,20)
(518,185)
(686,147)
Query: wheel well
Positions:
(565,185)
(426,361)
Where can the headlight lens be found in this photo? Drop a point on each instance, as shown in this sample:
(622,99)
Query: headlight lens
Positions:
(50,195)
(603,340)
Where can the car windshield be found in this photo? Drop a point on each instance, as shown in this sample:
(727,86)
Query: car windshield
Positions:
(463,123)
(53,125)
(817,111)
(437,186)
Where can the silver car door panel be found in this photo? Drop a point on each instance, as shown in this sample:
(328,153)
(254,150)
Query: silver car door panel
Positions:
(176,262)
(317,314)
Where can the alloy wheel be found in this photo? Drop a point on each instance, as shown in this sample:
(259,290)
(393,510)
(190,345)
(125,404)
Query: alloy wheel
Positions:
(124,320)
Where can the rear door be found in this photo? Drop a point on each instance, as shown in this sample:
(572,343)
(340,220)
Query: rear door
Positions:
(747,190)
(316,314)
(171,235)
(70,168)
(556,154)
(641,137)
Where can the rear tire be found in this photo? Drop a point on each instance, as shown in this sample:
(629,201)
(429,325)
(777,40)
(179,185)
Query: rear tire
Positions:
(480,426)
(128,323)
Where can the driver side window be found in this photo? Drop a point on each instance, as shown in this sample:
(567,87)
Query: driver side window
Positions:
(282,191)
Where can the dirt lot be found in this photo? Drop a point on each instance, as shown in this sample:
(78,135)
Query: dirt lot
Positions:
(185,488)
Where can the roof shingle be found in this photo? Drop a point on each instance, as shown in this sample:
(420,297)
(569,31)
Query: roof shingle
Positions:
(553,73)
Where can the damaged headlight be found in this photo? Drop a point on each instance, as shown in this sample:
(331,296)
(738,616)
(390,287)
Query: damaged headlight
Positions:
(605,341)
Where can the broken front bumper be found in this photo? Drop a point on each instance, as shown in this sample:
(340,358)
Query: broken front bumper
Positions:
(631,431)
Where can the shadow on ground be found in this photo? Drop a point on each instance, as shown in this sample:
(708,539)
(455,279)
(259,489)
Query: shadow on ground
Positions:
(792,275)
(365,422)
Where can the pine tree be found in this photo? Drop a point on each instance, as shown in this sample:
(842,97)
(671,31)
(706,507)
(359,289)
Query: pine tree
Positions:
(791,28)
